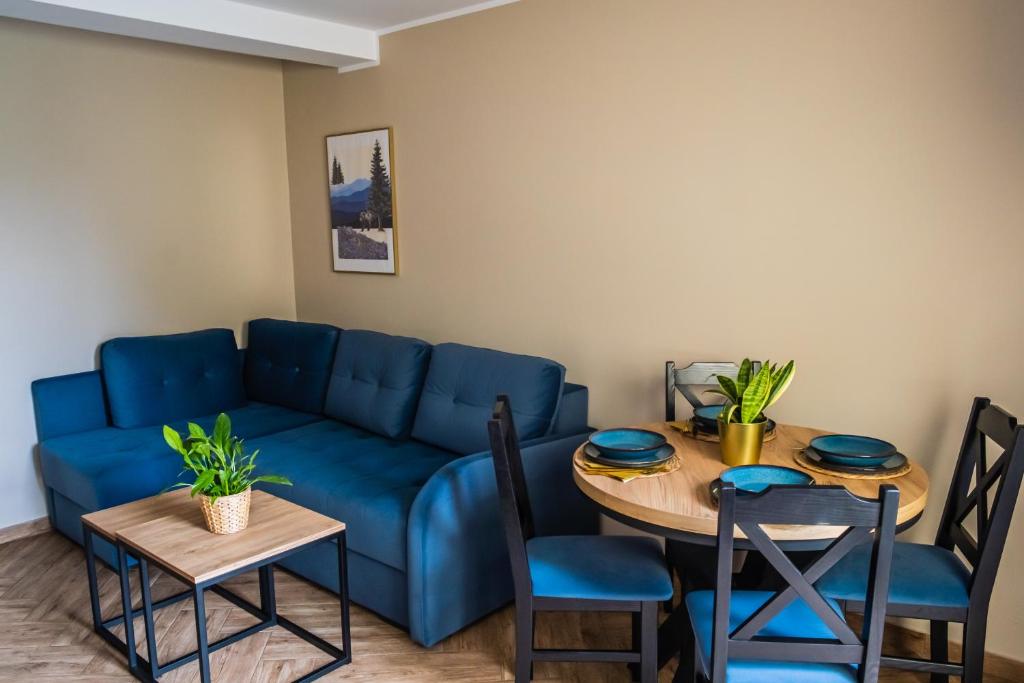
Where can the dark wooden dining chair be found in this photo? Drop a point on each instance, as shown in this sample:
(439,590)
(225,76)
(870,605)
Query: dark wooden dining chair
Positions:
(794,634)
(931,581)
(573,573)
(693,380)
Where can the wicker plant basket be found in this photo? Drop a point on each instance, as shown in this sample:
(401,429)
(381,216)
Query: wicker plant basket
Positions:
(229,514)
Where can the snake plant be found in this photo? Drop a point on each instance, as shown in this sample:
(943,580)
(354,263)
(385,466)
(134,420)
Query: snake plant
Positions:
(219,461)
(747,397)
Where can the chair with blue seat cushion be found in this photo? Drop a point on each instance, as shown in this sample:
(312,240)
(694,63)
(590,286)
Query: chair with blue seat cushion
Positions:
(376,381)
(152,380)
(289,363)
(459,392)
(931,582)
(793,634)
(564,573)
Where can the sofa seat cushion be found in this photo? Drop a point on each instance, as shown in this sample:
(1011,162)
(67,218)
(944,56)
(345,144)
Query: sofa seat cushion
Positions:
(289,363)
(153,380)
(462,384)
(355,476)
(376,381)
(110,466)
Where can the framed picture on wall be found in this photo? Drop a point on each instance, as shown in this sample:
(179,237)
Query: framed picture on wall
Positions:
(360,187)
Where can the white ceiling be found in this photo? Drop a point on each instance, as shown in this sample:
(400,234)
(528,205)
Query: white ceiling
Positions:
(383,16)
(339,33)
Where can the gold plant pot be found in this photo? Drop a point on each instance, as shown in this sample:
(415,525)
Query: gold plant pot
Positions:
(228,514)
(741,443)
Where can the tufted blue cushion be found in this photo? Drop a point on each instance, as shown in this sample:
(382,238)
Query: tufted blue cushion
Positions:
(598,568)
(921,575)
(111,466)
(796,621)
(350,474)
(376,381)
(462,383)
(151,380)
(289,363)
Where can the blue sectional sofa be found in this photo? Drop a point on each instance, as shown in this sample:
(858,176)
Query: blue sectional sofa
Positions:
(385,433)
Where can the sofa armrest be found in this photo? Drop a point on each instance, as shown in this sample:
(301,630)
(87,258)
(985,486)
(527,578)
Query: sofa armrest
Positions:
(458,566)
(572,410)
(69,404)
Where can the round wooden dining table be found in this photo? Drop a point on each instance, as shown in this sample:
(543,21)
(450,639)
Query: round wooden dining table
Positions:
(678,505)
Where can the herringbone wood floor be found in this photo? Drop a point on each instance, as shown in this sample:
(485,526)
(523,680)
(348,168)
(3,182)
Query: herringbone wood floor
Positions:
(45,632)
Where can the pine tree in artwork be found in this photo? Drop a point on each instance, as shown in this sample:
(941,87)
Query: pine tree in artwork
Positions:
(337,177)
(379,202)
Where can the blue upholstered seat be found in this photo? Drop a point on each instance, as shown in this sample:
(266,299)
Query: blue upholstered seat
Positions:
(354,475)
(921,575)
(796,621)
(598,568)
(110,466)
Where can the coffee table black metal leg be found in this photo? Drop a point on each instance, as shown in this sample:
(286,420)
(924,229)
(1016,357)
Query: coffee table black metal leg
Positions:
(126,607)
(268,596)
(147,612)
(204,647)
(90,568)
(346,637)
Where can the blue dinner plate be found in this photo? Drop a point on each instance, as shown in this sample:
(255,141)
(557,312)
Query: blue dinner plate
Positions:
(659,456)
(861,466)
(710,413)
(852,450)
(756,478)
(627,444)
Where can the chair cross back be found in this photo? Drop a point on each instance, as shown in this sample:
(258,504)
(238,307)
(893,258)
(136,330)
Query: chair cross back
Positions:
(517,516)
(693,380)
(984,548)
(867,521)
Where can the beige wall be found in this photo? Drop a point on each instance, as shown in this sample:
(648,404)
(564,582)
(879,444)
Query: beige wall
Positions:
(143,190)
(615,184)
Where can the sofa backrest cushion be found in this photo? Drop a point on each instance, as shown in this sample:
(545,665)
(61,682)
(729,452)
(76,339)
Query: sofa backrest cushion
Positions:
(376,381)
(289,363)
(153,380)
(462,384)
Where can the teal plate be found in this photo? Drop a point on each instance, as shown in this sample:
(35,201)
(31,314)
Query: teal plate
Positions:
(756,478)
(656,458)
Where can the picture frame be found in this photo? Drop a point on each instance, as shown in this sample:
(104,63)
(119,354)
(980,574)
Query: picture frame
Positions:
(361,201)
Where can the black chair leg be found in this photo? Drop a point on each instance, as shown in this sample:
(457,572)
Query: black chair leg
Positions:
(636,642)
(649,644)
(524,644)
(974,649)
(939,642)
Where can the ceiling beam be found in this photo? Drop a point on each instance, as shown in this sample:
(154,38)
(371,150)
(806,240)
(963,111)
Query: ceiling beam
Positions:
(215,24)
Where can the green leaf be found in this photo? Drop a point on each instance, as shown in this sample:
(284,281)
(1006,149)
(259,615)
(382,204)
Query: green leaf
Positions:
(729,387)
(173,440)
(727,412)
(195,431)
(273,479)
(743,376)
(203,481)
(781,382)
(719,392)
(222,430)
(756,395)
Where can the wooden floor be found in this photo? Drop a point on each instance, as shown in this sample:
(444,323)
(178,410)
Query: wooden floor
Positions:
(45,632)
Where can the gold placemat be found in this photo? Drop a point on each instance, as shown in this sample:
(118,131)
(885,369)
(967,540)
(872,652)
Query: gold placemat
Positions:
(802,460)
(686,427)
(625,474)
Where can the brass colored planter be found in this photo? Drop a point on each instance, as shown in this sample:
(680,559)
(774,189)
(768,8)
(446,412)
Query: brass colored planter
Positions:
(741,443)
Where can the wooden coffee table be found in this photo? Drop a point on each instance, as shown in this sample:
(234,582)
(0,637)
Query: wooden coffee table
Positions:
(168,531)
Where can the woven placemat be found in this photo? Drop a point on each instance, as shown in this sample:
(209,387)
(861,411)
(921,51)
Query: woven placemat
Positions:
(802,460)
(625,474)
(686,427)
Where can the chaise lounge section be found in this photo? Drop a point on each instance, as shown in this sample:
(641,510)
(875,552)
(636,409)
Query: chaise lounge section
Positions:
(383,432)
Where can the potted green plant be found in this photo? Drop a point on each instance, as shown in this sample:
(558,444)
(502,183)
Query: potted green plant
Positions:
(741,424)
(224,473)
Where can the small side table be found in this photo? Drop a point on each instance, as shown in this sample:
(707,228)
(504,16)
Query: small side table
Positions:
(168,531)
